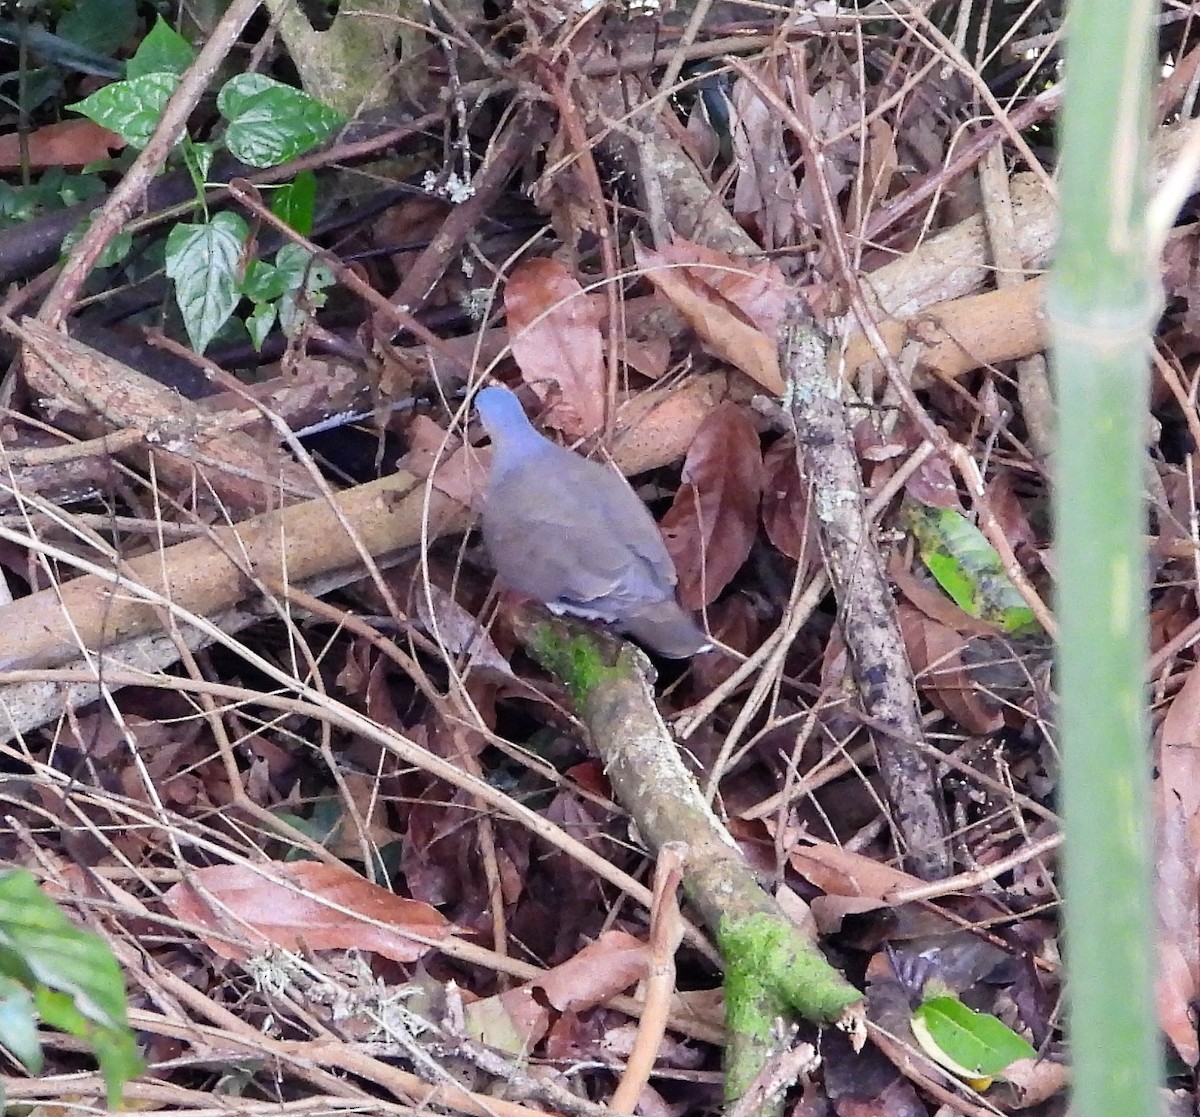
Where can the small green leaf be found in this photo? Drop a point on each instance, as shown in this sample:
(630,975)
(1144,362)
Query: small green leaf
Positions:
(114,252)
(99,25)
(130,108)
(259,323)
(295,203)
(75,982)
(302,269)
(162,51)
(270,123)
(18,1024)
(971,1044)
(199,158)
(58,954)
(78,188)
(968,568)
(115,1048)
(203,261)
(263,282)
(307,280)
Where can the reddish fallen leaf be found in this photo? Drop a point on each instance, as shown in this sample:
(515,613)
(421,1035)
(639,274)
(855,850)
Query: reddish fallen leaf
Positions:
(1177,890)
(765,191)
(739,624)
(711,525)
(653,427)
(458,471)
(840,872)
(458,631)
(72,143)
(1178,948)
(305,904)
(733,305)
(1010,514)
(518,1018)
(785,504)
(936,655)
(933,484)
(554,331)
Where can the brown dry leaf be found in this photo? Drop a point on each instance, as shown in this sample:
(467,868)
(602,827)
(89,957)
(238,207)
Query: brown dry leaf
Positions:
(936,654)
(852,882)
(1178,949)
(766,191)
(1181,262)
(597,973)
(1009,509)
(653,427)
(882,165)
(785,504)
(459,471)
(931,601)
(1178,857)
(73,143)
(458,631)
(554,331)
(1179,762)
(296,914)
(517,1019)
(832,111)
(650,356)
(346,841)
(839,872)
(739,625)
(711,525)
(933,484)
(733,305)
(1029,1083)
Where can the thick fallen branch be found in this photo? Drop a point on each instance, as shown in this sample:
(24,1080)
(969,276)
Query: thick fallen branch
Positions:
(865,607)
(217,572)
(772,969)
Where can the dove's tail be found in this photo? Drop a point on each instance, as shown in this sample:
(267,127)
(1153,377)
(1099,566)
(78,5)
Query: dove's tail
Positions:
(666,629)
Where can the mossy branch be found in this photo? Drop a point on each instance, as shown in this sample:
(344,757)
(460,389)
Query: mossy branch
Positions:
(772,970)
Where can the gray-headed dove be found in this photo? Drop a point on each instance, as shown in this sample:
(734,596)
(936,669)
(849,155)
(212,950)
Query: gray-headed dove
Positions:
(571,533)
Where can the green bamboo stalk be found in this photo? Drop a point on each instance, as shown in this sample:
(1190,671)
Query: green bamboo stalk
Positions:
(1103,301)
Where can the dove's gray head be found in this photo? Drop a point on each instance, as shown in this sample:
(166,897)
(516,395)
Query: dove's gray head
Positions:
(502,414)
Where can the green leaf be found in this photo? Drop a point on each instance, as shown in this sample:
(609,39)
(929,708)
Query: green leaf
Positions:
(971,1044)
(203,261)
(42,84)
(302,269)
(114,252)
(295,203)
(99,25)
(199,159)
(264,283)
(307,280)
(130,108)
(239,92)
(115,1048)
(58,954)
(78,188)
(75,982)
(968,568)
(18,1024)
(270,123)
(162,51)
(259,323)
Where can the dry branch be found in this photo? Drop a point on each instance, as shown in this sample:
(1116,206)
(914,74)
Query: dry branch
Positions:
(866,610)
